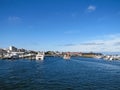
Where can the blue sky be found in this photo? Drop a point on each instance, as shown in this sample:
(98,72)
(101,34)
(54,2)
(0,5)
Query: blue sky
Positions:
(63,25)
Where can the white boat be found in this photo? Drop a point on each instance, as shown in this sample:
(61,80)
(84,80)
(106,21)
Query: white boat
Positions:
(98,56)
(14,56)
(66,56)
(40,56)
(111,58)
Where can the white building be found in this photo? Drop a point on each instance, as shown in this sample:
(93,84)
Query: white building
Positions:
(12,48)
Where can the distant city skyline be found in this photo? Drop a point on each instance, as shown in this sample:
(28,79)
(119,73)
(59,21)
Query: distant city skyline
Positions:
(61,25)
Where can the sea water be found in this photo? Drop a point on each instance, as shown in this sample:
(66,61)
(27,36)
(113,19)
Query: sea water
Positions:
(55,73)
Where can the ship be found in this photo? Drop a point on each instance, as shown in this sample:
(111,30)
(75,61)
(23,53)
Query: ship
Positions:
(40,56)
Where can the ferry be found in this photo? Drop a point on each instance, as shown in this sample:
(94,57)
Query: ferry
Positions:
(40,56)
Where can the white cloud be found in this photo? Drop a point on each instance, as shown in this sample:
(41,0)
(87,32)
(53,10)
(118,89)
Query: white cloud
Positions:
(110,44)
(68,44)
(92,43)
(91,8)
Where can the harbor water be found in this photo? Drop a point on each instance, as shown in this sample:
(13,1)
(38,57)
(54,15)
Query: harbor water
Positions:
(55,73)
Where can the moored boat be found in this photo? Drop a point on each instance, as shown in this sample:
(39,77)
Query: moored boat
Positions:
(40,56)
(67,56)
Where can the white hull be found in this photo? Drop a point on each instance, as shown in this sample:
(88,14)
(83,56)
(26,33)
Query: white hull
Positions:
(66,57)
(40,56)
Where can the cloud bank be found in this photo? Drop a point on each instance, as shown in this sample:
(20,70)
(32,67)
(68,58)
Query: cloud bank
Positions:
(110,43)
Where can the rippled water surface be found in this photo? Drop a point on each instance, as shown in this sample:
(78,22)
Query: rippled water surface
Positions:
(54,73)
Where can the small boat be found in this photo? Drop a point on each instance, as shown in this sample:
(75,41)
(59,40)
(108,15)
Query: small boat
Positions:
(14,56)
(40,56)
(98,56)
(66,56)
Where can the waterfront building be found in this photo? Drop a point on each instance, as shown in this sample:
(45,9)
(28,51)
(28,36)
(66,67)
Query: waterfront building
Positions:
(13,49)
(2,52)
